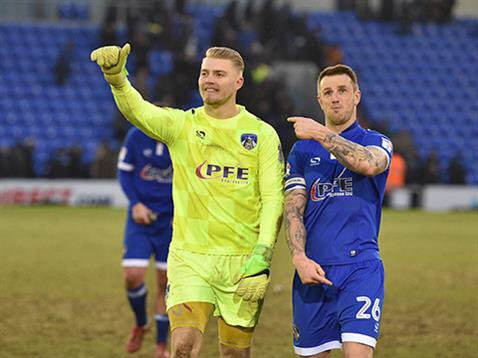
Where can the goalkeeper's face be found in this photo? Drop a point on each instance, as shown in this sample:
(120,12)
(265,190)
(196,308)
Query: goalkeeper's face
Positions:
(338,98)
(219,81)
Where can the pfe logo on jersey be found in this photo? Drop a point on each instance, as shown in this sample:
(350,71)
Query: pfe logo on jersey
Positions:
(147,152)
(314,161)
(339,187)
(249,140)
(150,173)
(227,174)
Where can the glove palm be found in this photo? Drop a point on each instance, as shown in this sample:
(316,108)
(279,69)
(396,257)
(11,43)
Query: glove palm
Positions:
(254,277)
(112,61)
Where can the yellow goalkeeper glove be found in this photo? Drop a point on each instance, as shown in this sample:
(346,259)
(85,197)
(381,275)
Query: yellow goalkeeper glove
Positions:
(255,274)
(112,60)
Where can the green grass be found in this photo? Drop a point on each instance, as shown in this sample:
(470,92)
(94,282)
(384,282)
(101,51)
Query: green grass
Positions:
(61,288)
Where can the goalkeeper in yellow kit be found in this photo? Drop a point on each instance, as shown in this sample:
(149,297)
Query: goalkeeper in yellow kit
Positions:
(228,199)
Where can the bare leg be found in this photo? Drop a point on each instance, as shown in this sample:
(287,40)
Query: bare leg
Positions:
(357,350)
(134,276)
(162,326)
(231,352)
(186,342)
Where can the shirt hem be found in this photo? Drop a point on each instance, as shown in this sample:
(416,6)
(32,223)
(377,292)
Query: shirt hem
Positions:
(213,252)
(361,257)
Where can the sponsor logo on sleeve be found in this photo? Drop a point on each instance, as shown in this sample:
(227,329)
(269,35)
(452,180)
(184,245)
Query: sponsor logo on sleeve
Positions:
(387,145)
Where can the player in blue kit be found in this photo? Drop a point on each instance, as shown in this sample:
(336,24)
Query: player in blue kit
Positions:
(145,174)
(335,184)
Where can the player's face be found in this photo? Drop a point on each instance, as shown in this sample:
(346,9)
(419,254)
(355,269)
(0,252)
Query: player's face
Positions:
(219,80)
(338,98)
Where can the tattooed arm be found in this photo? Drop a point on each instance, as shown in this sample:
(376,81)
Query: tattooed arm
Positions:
(309,271)
(369,161)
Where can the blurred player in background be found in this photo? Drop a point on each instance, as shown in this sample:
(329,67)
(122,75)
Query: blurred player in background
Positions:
(335,184)
(145,174)
(228,200)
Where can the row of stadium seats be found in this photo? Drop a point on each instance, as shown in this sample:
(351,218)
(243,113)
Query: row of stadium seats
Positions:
(426,83)
(82,110)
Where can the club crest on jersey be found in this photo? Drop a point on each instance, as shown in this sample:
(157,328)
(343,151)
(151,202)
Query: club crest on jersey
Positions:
(249,140)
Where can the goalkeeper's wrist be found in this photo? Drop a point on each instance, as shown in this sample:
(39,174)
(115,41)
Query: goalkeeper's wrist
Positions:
(263,250)
(118,80)
(259,261)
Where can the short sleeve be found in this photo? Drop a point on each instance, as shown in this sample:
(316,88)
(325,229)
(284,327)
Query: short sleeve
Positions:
(126,157)
(375,139)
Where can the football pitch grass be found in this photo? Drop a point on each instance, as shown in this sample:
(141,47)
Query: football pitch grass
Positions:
(61,287)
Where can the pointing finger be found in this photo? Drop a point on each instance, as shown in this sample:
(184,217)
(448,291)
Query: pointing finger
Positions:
(320,270)
(327,282)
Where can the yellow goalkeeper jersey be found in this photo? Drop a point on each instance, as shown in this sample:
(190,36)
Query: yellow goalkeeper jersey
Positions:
(228,174)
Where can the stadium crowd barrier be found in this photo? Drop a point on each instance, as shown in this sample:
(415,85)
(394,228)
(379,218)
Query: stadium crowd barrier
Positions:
(107,192)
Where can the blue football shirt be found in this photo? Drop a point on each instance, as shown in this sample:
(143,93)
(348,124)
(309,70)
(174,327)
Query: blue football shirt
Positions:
(343,211)
(149,162)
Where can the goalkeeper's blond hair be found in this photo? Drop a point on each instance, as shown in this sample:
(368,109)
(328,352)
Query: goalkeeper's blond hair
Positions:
(226,53)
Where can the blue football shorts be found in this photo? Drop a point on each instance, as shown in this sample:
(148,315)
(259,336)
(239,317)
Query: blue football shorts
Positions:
(349,311)
(142,241)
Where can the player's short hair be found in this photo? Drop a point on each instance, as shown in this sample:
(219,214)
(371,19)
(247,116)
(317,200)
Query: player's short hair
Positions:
(339,70)
(226,53)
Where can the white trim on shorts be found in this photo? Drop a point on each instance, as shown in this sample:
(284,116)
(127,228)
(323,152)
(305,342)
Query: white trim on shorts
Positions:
(161,265)
(318,349)
(359,338)
(135,263)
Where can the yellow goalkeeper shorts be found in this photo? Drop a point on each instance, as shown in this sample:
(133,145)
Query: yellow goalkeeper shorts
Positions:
(195,277)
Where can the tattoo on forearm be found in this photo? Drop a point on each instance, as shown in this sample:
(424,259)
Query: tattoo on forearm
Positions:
(295,202)
(360,159)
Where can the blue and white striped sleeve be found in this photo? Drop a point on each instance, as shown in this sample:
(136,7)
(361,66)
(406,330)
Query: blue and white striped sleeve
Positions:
(377,140)
(126,166)
(126,160)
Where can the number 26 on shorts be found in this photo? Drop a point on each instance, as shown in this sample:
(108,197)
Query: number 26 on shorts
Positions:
(367,302)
